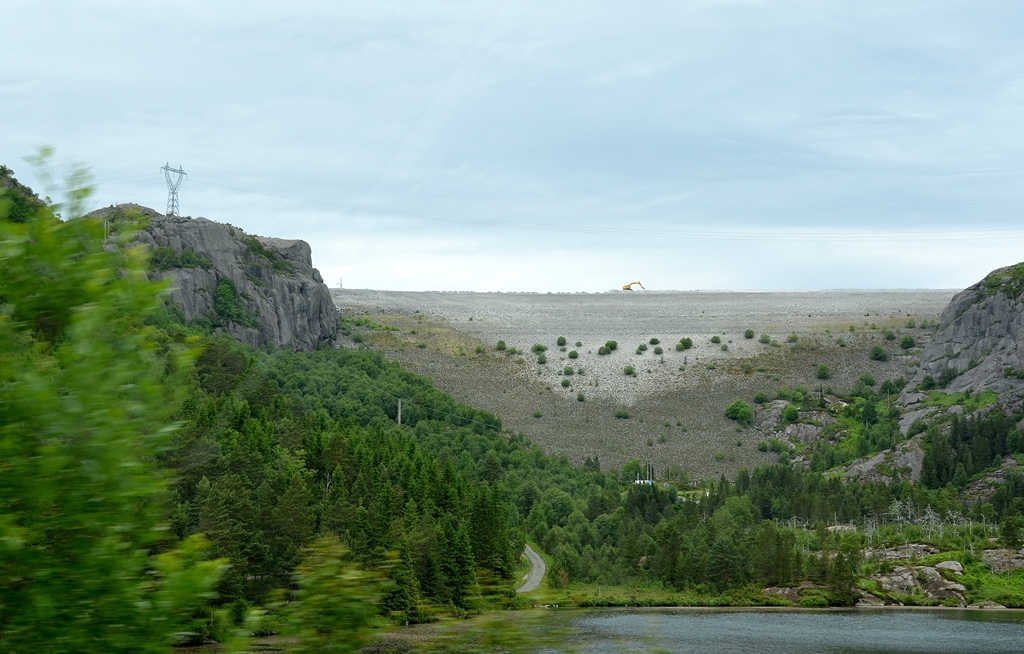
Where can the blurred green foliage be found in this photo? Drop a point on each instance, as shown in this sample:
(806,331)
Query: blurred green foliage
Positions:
(84,395)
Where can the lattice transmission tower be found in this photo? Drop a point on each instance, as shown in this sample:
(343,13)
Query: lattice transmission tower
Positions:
(172,187)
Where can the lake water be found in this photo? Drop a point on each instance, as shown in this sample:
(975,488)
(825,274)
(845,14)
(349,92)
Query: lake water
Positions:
(703,631)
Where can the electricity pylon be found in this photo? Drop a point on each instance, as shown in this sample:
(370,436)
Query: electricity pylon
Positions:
(172,187)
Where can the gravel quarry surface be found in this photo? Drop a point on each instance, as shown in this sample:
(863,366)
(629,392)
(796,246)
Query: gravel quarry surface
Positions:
(675,400)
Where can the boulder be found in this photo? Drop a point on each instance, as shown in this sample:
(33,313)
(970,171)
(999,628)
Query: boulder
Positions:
(803,432)
(868,600)
(953,566)
(769,415)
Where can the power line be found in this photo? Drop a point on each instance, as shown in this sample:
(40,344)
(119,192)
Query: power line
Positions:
(774,235)
(803,235)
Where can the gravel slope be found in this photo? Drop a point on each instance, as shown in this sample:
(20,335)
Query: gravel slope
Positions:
(675,400)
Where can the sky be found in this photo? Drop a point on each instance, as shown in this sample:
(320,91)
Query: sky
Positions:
(548,146)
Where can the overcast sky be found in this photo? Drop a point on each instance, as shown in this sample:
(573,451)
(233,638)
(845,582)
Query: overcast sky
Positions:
(550,146)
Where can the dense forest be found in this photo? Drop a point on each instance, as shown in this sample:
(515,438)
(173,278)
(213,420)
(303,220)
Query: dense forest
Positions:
(159,482)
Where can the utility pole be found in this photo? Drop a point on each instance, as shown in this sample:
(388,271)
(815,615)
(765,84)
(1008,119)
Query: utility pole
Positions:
(172,187)
(399,411)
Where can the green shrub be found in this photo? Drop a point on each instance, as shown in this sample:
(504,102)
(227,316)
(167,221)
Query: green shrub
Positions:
(764,339)
(716,339)
(947,375)
(762,446)
(500,346)
(567,371)
(761,397)
(580,397)
(165,258)
(421,345)
(658,350)
(878,353)
(603,350)
(542,359)
(907,342)
(890,335)
(741,412)
(813,602)
(824,372)
(538,347)
(479,349)
(642,347)
(725,347)
(748,333)
(792,338)
(629,371)
(579,344)
(840,342)
(654,341)
(538,413)
(227,305)
(790,414)
(622,414)
(573,354)
(686,342)
(867,379)
(911,324)
(560,341)
(611,345)
(565,383)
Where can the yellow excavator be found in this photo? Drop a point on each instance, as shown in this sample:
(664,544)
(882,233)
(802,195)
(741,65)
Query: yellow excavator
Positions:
(629,286)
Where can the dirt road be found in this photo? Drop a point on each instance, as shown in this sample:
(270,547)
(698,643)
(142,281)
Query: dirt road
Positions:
(537,570)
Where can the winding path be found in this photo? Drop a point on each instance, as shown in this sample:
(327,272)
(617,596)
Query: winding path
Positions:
(537,570)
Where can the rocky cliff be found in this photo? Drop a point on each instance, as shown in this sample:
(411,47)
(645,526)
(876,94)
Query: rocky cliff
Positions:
(260,290)
(979,344)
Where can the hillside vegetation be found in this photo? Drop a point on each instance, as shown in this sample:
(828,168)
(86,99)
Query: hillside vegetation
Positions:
(164,484)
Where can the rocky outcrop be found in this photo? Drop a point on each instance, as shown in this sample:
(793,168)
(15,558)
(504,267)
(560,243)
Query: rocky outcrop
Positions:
(981,490)
(923,581)
(1003,560)
(902,463)
(980,340)
(905,552)
(260,290)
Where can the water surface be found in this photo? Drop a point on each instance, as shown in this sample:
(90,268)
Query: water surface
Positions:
(798,632)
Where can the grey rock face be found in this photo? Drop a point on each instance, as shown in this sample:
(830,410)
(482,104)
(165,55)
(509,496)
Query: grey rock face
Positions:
(279,297)
(924,580)
(902,463)
(907,552)
(803,432)
(981,490)
(981,337)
